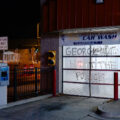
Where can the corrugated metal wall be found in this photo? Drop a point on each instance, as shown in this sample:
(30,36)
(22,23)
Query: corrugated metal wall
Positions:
(65,14)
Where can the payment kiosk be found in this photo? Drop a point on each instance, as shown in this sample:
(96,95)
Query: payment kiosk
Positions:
(4,82)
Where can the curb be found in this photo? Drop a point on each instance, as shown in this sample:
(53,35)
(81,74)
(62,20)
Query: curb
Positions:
(98,117)
(21,102)
(101,111)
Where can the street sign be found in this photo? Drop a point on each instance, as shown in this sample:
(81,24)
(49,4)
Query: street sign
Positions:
(3,43)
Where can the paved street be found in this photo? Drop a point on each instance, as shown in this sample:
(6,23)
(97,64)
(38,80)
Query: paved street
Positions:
(58,108)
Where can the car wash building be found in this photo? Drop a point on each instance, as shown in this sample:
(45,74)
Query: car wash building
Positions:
(87,44)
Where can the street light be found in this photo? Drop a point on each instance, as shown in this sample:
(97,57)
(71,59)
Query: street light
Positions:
(99,1)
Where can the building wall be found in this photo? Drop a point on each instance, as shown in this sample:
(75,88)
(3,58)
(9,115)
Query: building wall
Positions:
(68,14)
(50,42)
(80,14)
(49,16)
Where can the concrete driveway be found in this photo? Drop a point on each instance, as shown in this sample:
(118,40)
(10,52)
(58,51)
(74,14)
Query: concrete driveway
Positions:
(55,108)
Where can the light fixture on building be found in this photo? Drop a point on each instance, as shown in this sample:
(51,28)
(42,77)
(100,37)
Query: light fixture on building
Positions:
(99,1)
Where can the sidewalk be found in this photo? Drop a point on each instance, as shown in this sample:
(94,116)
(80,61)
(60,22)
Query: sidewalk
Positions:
(25,101)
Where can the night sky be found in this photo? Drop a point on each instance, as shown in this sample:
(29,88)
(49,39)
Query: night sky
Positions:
(18,18)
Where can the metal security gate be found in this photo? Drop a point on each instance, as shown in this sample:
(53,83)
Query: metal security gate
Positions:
(88,70)
(27,83)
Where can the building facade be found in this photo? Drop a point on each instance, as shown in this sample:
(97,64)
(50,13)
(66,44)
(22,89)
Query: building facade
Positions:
(68,14)
(86,37)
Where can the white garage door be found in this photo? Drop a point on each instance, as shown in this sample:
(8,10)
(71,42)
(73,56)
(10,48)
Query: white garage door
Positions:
(89,70)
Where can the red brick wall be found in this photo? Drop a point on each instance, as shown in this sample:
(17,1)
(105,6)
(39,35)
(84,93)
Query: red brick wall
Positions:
(65,14)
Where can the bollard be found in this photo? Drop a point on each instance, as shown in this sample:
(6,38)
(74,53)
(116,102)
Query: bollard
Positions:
(54,81)
(116,86)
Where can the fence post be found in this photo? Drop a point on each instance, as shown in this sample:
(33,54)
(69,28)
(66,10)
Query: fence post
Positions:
(54,81)
(15,84)
(36,82)
(116,86)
